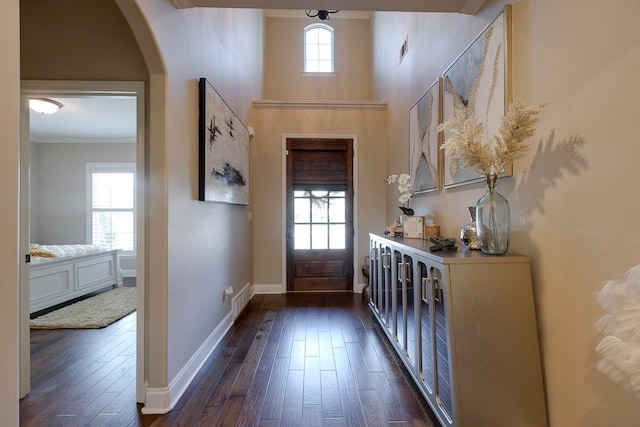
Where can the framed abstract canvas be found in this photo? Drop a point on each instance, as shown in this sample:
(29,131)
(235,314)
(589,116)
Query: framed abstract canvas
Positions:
(479,78)
(224,150)
(424,141)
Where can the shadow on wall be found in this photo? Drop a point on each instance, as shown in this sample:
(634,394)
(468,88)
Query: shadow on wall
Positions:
(551,162)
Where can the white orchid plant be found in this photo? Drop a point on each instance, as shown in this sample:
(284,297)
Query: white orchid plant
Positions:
(404,187)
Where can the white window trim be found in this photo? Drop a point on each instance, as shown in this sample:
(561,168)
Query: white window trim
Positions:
(304,47)
(110,167)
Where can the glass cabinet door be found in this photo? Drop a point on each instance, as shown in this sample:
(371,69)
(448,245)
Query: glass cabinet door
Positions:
(444,391)
(384,303)
(410,311)
(375,269)
(403,287)
(426,323)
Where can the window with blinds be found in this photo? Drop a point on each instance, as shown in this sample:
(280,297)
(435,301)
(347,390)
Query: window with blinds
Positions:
(111,202)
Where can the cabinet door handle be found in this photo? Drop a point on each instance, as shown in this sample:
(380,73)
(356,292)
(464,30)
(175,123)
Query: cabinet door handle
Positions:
(426,290)
(437,291)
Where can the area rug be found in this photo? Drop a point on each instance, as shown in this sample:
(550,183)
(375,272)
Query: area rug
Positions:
(92,313)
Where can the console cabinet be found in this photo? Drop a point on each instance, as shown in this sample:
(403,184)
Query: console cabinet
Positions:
(464,325)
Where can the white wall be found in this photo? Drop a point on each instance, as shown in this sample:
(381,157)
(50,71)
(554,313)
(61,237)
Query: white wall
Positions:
(572,198)
(209,244)
(284,61)
(59,187)
(9,149)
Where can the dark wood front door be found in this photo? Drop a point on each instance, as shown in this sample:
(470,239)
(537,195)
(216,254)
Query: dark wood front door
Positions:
(319,214)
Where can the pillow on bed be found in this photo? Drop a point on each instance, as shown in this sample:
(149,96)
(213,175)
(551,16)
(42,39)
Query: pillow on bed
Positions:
(36,250)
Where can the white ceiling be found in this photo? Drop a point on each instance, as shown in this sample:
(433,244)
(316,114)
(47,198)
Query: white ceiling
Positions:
(87,119)
(460,6)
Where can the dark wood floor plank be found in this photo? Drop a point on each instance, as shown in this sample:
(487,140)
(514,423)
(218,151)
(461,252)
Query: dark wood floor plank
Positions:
(312,388)
(358,366)
(229,415)
(221,391)
(416,408)
(297,355)
(349,399)
(326,351)
(272,408)
(288,360)
(250,363)
(393,409)
(312,416)
(254,401)
(208,416)
(311,342)
(331,407)
(292,409)
(373,413)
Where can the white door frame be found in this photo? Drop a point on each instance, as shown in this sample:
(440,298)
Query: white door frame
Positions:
(51,88)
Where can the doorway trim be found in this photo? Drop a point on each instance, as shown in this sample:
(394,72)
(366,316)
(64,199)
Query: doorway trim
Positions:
(41,88)
(283,243)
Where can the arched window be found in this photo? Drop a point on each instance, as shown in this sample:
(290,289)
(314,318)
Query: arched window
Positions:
(318,49)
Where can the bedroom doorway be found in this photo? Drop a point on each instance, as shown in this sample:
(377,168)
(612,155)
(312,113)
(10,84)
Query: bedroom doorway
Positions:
(106,146)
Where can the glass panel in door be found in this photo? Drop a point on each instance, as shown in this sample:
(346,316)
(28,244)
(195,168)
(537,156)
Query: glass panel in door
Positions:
(426,326)
(444,391)
(411,334)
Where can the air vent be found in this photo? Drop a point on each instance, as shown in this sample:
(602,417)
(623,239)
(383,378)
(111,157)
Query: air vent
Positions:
(404,48)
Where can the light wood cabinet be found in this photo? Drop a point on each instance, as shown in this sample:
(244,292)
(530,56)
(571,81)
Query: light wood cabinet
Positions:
(464,325)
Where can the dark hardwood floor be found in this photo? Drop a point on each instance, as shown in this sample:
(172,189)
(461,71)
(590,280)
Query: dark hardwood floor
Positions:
(289,360)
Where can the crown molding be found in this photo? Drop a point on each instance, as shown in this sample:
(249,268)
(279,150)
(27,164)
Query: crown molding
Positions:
(183,4)
(300,13)
(471,7)
(320,105)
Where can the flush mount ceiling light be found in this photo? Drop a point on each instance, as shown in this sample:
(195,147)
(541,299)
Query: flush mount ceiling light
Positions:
(44,105)
(323,15)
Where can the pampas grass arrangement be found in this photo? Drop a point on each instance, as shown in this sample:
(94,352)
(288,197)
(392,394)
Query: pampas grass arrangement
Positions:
(489,157)
(620,348)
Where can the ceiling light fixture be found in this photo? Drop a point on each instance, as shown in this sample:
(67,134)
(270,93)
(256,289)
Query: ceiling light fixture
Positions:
(323,15)
(44,105)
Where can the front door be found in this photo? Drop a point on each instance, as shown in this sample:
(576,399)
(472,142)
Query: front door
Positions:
(319,214)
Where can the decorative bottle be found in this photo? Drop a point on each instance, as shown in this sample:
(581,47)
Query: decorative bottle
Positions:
(469,233)
(493,222)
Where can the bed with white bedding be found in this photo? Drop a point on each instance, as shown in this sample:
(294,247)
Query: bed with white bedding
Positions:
(59,273)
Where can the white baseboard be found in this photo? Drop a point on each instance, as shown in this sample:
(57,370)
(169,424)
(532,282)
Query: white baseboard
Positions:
(239,302)
(162,400)
(277,289)
(268,289)
(129,273)
(359,287)
(157,401)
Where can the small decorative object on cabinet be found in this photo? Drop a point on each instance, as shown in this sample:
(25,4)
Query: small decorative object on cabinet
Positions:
(413,227)
(464,325)
(469,233)
(431,230)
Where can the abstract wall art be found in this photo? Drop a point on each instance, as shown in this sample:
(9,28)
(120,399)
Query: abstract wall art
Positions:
(424,141)
(480,79)
(224,150)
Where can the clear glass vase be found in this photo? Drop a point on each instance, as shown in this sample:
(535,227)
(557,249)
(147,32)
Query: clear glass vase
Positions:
(493,222)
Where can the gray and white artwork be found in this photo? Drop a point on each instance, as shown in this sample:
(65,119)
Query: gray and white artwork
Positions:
(478,80)
(224,151)
(424,118)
